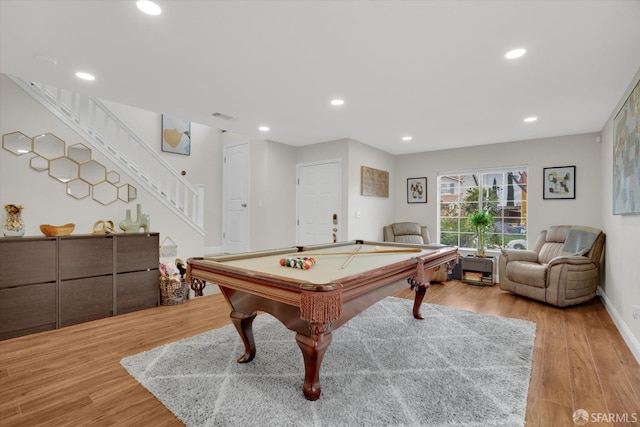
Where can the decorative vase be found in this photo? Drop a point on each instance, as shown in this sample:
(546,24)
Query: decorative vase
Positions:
(142,221)
(13,225)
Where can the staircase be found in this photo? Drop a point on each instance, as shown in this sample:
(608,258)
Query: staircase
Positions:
(110,136)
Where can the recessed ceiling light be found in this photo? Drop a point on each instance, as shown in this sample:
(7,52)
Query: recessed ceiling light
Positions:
(337,101)
(85,76)
(515,53)
(263,128)
(530,119)
(407,138)
(148,7)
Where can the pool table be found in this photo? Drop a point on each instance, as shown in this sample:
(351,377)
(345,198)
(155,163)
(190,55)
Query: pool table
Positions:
(346,279)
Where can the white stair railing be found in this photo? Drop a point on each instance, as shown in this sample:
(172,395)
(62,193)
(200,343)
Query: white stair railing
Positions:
(108,134)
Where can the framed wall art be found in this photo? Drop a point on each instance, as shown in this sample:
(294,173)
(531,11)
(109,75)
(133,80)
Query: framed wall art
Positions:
(374,182)
(176,135)
(417,190)
(559,182)
(626,156)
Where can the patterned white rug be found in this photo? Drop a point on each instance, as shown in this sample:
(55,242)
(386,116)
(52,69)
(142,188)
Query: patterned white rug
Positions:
(383,368)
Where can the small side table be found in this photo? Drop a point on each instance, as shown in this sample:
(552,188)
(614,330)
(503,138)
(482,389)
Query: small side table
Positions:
(477,271)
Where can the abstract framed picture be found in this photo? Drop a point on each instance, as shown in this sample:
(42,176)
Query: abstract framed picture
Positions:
(559,182)
(417,190)
(176,135)
(374,182)
(626,156)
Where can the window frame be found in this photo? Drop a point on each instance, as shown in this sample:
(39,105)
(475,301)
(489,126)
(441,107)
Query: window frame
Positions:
(509,230)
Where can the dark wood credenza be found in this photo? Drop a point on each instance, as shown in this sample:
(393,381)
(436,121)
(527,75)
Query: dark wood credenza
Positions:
(53,282)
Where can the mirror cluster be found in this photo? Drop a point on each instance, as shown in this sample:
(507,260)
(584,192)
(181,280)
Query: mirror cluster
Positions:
(74,167)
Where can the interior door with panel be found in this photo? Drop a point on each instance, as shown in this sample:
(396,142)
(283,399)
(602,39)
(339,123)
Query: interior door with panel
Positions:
(319,203)
(235,194)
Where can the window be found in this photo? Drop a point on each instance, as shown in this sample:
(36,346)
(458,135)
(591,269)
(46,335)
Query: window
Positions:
(502,191)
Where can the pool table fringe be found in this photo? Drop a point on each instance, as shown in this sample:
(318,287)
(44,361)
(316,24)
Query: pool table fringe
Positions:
(321,307)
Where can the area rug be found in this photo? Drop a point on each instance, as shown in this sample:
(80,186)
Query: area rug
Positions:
(383,368)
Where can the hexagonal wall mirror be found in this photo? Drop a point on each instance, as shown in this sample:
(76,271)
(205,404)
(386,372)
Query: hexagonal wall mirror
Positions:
(16,142)
(78,188)
(93,172)
(113,177)
(39,163)
(63,169)
(105,193)
(127,193)
(80,153)
(48,146)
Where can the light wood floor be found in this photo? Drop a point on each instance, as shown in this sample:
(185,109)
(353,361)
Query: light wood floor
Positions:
(72,376)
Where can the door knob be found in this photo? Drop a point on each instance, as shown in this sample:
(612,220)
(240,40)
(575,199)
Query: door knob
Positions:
(244,205)
(335,229)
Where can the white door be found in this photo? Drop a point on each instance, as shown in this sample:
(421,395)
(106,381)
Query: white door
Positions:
(319,203)
(235,195)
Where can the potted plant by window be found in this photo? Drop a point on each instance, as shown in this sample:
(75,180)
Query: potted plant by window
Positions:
(481,221)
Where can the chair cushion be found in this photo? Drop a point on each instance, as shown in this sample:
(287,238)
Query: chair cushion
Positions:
(549,251)
(410,238)
(407,232)
(557,233)
(527,273)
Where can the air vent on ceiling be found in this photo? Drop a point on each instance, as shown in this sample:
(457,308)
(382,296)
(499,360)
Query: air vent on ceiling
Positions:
(222,116)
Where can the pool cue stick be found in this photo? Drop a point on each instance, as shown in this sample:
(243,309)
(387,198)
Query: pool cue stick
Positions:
(384,251)
(351,257)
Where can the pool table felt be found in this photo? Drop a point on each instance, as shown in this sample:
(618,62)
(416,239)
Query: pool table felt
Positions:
(328,267)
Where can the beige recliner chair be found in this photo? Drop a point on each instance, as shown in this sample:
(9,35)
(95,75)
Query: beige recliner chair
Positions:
(562,269)
(407,232)
(413,233)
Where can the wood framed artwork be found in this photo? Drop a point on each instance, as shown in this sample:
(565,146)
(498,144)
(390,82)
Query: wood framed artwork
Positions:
(559,182)
(374,182)
(176,135)
(626,156)
(417,190)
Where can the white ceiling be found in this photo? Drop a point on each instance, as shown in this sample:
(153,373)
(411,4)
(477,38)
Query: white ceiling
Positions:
(434,70)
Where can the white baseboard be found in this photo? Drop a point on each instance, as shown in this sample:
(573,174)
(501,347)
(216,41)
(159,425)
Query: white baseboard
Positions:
(209,250)
(627,335)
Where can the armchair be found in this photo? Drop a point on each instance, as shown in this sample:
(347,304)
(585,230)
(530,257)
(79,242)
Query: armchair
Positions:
(407,232)
(562,269)
(413,233)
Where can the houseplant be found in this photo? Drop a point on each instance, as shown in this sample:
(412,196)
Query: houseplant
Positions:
(480,220)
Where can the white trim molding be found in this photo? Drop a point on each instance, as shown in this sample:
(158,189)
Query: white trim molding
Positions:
(627,335)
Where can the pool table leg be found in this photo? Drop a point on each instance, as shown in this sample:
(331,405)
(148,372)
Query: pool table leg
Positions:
(421,291)
(313,349)
(243,323)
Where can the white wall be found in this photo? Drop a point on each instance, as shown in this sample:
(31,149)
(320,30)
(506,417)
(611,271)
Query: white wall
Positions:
(621,289)
(272,192)
(273,195)
(367,215)
(580,150)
